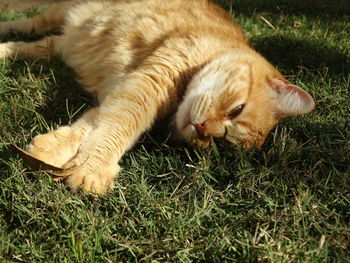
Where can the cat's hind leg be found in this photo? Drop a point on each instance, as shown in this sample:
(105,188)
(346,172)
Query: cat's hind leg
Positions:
(41,49)
(48,21)
(59,146)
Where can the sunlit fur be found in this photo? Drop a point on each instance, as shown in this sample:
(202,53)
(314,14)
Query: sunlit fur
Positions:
(147,59)
(238,77)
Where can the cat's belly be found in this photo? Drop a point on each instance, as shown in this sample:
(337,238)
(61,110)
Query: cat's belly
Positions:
(104,44)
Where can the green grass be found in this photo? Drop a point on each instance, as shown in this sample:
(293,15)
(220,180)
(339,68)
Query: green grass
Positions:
(288,202)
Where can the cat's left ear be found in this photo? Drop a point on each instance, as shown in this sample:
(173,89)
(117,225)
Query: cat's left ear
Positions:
(292,99)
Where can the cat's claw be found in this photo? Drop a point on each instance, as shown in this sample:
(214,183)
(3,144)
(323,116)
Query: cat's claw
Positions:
(87,176)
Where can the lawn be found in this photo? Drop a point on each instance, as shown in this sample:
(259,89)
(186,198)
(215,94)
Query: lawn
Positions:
(288,202)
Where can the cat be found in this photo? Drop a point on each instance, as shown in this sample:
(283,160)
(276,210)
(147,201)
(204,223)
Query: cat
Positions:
(144,60)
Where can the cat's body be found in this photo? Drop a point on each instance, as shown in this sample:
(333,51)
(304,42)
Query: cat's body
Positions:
(144,60)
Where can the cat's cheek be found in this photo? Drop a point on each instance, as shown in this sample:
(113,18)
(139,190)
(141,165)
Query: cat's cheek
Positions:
(183,121)
(182,116)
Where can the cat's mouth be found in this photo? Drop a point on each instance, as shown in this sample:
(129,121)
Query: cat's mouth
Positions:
(194,135)
(191,134)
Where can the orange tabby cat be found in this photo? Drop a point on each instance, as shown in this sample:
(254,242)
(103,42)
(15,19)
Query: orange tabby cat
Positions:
(145,59)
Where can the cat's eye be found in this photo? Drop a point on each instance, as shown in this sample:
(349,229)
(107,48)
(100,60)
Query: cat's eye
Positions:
(236,111)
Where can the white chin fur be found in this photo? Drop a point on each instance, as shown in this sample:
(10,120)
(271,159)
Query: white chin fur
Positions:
(183,118)
(184,129)
(189,133)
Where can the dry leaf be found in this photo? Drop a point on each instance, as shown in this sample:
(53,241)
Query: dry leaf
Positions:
(38,165)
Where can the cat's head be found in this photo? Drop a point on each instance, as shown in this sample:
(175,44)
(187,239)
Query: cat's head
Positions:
(238,97)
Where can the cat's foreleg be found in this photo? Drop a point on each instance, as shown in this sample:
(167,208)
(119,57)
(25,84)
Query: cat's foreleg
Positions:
(124,115)
(59,146)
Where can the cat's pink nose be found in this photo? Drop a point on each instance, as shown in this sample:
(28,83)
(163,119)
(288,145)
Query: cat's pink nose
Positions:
(200,128)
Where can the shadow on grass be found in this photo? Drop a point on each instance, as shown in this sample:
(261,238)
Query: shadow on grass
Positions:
(291,53)
(63,95)
(325,9)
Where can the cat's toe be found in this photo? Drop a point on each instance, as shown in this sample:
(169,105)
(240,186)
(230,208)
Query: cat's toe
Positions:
(99,181)
(91,183)
(40,148)
(41,142)
(75,181)
(55,148)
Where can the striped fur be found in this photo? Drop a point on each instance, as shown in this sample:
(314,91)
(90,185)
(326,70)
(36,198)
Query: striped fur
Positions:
(146,59)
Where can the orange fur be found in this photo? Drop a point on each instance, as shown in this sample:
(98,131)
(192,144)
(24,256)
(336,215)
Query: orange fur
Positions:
(145,59)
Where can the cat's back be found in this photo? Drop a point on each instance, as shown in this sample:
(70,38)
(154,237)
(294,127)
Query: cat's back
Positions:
(154,16)
(119,35)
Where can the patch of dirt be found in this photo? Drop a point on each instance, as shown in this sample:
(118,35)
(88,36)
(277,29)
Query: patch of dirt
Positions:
(22,5)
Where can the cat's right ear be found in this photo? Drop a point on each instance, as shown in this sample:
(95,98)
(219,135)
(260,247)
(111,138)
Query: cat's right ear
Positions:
(292,99)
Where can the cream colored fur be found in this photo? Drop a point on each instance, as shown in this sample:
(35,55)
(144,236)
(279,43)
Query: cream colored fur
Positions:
(145,59)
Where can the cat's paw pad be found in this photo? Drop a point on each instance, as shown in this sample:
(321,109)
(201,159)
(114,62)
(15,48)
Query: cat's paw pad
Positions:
(55,148)
(97,180)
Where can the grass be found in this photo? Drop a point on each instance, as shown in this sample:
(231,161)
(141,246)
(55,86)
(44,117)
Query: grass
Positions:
(288,202)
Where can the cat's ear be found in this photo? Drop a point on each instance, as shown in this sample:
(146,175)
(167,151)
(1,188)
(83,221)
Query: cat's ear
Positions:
(292,99)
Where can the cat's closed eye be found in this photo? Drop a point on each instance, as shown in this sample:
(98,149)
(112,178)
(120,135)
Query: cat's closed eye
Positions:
(236,111)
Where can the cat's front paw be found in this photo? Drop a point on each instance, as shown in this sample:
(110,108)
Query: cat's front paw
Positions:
(90,176)
(56,147)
